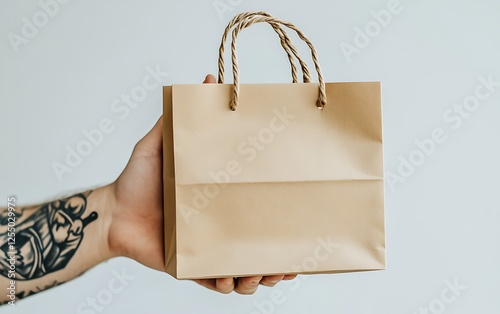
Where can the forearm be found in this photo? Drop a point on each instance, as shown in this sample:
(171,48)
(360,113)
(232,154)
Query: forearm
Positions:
(51,243)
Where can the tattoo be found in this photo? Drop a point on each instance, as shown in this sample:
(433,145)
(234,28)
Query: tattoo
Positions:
(47,238)
(37,289)
(24,294)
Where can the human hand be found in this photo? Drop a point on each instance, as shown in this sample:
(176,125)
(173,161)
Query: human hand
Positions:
(136,230)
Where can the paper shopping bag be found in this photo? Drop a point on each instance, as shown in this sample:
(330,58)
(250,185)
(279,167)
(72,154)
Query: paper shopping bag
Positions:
(264,179)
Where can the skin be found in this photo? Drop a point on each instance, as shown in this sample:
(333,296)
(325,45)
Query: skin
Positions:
(129,208)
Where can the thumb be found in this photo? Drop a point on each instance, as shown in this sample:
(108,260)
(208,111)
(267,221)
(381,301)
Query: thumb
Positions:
(209,79)
(152,143)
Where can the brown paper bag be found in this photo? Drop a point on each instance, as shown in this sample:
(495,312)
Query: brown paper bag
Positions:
(277,185)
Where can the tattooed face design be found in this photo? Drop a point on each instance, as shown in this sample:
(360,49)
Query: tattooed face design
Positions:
(64,228)
(65,223)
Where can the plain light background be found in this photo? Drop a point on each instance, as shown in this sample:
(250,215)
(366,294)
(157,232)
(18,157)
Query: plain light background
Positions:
(442,221)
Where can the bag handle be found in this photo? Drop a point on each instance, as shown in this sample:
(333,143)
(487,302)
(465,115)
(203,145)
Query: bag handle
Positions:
(321,102)
(285,41)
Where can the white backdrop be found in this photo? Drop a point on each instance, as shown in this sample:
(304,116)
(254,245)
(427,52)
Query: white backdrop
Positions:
(61,77)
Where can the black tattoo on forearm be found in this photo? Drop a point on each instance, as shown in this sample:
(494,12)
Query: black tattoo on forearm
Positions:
(47,238)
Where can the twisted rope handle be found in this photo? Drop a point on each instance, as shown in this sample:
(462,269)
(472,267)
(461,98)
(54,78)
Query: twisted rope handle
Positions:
(285,41)
(321,102)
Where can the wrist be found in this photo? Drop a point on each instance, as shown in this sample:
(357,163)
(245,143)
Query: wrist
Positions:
(115,223)
(101,200)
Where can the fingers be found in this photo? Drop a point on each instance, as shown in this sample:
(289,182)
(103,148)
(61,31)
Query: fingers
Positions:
(247,285)
(222,285)
(225,285)
(207,283)
(271,281)
(243,285)
(209,79)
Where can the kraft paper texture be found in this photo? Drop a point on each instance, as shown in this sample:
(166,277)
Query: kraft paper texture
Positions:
(277,186)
